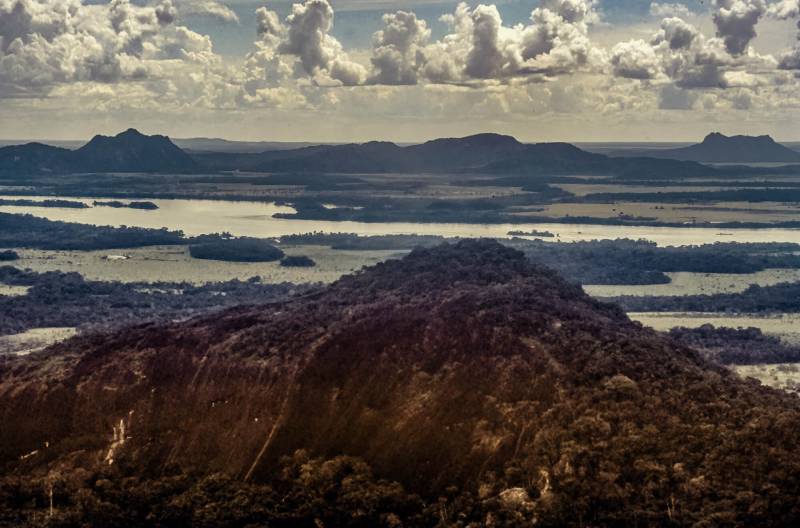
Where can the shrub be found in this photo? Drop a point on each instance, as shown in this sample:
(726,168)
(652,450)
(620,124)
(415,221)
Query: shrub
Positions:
(300,261)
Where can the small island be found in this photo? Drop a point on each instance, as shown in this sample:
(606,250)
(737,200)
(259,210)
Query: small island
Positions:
(236,250)
(60,204)
(147,206)
(534,233)
(299,261)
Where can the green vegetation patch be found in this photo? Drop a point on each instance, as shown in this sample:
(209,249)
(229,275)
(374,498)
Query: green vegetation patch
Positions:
(237,250)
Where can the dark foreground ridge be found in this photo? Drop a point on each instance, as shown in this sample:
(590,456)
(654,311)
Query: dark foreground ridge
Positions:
(459,385)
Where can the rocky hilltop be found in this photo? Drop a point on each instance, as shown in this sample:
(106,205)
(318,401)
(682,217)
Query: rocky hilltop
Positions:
(129,151)
(460,384)
(720,148)
(132,151)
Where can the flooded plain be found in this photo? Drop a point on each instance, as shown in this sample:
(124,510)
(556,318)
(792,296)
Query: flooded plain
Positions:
(174,264)
(786,326)
(686,283)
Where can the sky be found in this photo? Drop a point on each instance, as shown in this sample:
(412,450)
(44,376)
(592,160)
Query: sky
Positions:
(406,71)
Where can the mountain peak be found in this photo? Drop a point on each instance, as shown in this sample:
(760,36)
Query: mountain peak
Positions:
(484,140)
(714,136)
(132,151)
(478,262)
(492,138)
(131,132)
(717,147)
(717,137)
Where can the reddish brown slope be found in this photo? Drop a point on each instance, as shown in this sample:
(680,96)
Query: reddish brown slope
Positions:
(441,369)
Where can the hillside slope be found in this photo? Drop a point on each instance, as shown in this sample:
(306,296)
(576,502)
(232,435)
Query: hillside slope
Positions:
(463,372)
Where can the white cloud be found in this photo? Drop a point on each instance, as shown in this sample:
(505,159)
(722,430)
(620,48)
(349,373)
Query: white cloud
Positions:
(305,35)
(126,58)
(736,22)
(481,48)
(397,52)
(635,59)
(679,53)
(211,8)
(44,43)
(785,9)
(678,33)
(662,10)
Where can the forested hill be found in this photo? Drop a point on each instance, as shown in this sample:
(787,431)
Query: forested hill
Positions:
(129,151)
(717,147)
(459,384)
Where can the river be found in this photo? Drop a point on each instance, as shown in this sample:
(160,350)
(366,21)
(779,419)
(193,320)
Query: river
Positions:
(196,217)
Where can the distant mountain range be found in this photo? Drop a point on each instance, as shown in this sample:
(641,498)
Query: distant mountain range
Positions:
(132,151)
(481,153)
(129,151)
(719,148)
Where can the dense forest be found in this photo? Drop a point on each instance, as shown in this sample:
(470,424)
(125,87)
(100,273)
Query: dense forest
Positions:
(57,299)
(460,386)
(736,346)
(618,261)
(236,250)
(27,231)
(779,298)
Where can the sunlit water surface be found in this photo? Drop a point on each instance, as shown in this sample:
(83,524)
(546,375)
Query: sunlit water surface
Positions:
(196,217)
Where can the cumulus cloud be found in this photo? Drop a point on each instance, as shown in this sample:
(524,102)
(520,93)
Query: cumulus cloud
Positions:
(478,49)
(485,59)
(662,10)
(398,49)
(635,59)
(211,8)
(681,55)
(481,48)
(166,13)
(137,53)
(736,21)
(785,9)
(45,43)
(305,35)
(677,33)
